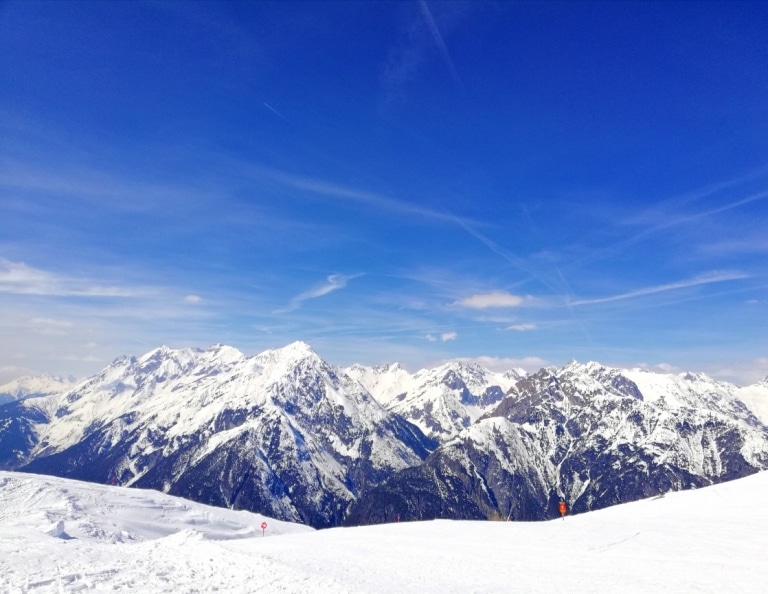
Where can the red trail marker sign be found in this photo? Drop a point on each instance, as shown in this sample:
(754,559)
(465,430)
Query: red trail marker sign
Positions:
(263,528)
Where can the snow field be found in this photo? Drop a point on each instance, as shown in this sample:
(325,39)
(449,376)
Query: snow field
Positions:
(63,536)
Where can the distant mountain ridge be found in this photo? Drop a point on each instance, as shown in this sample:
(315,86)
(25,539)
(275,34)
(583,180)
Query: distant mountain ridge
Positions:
(440,401)
(33,386)
(591,435)
(286,434)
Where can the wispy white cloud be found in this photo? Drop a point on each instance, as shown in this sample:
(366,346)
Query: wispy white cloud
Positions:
(659,367)
(333,282)
(85,358)
(99,187)
(193,299)
(11,372)
(20,279)
(660,214)
(553,280)
(52,322)
(522,327)
(444,337)
(560,288)
(743,373)
(689,218)
(415,49)
(487,300)
(373,199)
(679,210)
(51,326)
(704,279)
(755,245)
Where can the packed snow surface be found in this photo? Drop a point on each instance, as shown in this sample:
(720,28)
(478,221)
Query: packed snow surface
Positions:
(64,536)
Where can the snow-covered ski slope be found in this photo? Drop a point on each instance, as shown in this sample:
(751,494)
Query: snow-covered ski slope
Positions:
(65,536)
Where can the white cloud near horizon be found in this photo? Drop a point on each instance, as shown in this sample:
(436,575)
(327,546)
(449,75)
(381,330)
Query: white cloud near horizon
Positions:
(522,327)
(50,326)
(52,322)
(702,279)
(20,279)
(488,300)
(8,373)
(743,373)
(444,337)
(660,368)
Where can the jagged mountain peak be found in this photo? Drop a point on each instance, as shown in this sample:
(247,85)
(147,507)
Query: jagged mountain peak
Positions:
(219,348)
(291,353)
(223,354)
(388,367)
(166,352)
(697,376)
(283,430)
(456,374)
(515,374)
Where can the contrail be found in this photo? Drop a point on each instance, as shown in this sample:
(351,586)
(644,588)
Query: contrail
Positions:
(703,279)
(438,39)
(274,111)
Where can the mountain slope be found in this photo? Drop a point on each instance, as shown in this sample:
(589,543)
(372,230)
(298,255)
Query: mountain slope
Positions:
(283,432)
(585,433)
(440,401)
(286,434)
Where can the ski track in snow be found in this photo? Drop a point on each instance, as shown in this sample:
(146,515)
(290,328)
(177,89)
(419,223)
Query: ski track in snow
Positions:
(59,536)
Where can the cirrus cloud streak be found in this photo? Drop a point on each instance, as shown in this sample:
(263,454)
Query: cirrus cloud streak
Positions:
(702,279)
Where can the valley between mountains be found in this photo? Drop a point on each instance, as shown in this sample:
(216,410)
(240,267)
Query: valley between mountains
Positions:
(288,435)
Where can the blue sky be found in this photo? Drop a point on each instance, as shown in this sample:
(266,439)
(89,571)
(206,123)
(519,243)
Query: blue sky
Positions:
(513,183)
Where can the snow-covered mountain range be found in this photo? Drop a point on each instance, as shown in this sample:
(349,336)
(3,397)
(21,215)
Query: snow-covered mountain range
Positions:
(282,432)
(589,434)
(440,401)
(34,385)
(286,434)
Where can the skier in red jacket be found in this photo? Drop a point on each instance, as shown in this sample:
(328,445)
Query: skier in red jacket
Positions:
(562,507)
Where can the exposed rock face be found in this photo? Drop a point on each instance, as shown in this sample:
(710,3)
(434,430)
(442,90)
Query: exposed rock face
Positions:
(592,435)
(283,432)
(441,401)
(286,434)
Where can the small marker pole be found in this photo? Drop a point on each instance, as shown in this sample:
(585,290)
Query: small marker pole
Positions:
(263,528)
